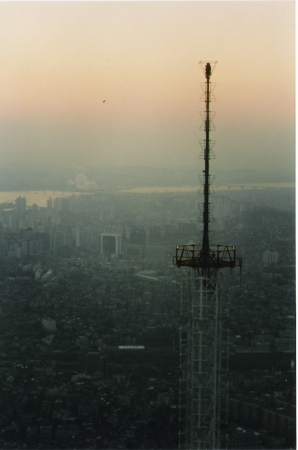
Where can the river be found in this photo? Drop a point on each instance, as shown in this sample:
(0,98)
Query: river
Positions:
(40,197)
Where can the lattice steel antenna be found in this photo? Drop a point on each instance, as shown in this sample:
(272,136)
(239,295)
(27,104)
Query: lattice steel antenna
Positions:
(200,411)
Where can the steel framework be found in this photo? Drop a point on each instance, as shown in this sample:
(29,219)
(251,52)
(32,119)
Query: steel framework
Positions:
(200,352)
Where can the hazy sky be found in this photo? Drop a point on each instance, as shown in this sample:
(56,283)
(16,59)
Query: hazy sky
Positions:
(60,61)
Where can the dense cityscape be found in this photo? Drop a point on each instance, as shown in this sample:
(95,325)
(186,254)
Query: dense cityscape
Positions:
(147,225)
(90,313)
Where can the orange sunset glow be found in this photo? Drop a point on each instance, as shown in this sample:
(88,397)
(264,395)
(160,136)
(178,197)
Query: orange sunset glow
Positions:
(119,83)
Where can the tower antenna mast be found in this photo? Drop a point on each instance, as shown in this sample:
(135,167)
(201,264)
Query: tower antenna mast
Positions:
(202,359)
(205,246)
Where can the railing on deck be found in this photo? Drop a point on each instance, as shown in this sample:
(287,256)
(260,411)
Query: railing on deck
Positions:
(219,256)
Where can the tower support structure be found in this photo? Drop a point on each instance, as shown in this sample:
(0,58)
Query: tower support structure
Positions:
(200,359)
(203,386)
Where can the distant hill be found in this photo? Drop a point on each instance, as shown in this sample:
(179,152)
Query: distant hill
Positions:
(61,178)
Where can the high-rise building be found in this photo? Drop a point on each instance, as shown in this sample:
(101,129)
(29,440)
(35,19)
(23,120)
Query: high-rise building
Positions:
(110,244)
(270,257)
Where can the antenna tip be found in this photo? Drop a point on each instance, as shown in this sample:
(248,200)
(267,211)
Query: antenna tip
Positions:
(208,70)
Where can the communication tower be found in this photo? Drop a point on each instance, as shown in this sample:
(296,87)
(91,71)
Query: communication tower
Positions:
(200,339)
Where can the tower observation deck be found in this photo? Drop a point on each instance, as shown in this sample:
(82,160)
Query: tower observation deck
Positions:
(200,336)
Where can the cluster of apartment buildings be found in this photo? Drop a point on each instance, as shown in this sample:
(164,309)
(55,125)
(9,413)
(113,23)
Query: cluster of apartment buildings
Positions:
(74,224)
(90,314)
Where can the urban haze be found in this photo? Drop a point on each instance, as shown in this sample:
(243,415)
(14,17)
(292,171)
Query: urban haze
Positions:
(103,179)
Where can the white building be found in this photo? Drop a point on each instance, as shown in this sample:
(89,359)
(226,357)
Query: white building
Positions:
(110,244)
